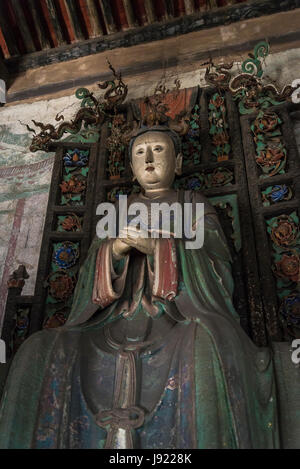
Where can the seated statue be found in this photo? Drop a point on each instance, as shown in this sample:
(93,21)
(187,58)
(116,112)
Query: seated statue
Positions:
(152,354)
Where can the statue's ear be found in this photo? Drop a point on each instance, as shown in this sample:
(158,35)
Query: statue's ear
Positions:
(134,176)
(178,167)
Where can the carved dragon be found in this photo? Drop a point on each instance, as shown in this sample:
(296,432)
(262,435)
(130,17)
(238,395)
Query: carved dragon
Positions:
(48,133)
(254,89)
(92,112)
(220,77)
(248,86)
(251,83)
(117,92)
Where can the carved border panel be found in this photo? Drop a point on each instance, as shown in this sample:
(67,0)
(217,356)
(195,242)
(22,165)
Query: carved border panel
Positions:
(273,170)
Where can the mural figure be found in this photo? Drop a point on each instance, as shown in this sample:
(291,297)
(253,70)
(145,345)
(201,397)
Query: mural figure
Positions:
(152,355)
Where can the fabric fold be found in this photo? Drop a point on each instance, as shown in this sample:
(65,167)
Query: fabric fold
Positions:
(108,286)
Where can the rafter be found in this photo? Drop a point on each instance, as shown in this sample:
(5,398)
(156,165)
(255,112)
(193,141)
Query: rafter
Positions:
(37,25)
(3,46)
(66,17)
(108,17)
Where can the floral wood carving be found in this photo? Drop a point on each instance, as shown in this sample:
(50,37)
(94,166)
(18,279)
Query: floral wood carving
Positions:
(61,285)
(219,127)
(71,222)
(290,314)
(275,194)
(271,153)
(56,320)
(284,234)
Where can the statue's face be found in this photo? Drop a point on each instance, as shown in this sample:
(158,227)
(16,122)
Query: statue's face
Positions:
(154,161)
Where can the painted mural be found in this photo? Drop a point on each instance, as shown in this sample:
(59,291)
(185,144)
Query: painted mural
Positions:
(24,185)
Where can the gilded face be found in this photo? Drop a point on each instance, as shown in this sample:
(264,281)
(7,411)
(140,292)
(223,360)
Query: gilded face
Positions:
(154,161)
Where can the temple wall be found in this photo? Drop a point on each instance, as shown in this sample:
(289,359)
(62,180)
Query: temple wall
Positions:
(25,177)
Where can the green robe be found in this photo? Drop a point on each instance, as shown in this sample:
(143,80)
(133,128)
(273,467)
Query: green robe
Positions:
(200,381)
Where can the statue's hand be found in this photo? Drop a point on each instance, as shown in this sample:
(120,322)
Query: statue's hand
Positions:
(120,248)
(137,239)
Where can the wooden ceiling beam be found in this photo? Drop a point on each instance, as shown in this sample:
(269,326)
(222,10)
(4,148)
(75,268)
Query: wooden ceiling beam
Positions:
(32,25)
(189,7)
(36,21)
(201,23)
(63,9)
(150,11)
(107,13)
(13,24)
(170,6)
(201,5)
(48,21)
(86,16)
(50,17)
(119,15)
(96,28)
(160,10)
(140,12)
(42,24)
(179,7)
(3,46)
(22,25)
(76,19)
(7,32)
(130,14)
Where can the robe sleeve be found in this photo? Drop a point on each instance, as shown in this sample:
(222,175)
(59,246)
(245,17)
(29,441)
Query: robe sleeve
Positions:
(83,307)
(165,275)
(108,285)
(206,272)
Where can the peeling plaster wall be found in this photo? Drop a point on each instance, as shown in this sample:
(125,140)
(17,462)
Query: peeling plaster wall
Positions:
(25,177)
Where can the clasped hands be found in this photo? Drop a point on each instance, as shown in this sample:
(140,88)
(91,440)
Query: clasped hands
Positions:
(130,238)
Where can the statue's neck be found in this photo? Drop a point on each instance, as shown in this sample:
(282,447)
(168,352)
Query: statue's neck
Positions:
(158,193)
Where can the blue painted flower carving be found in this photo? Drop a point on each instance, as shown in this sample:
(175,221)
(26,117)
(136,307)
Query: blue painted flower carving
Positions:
(194,184)
(66,255)
(193,133)
(290,309)
(22,323)
(76,157)
(278,193)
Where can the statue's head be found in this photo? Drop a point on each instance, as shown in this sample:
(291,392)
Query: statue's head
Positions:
(155,157)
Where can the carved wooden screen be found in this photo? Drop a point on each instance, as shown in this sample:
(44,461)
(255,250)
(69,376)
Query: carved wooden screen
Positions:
(273,170)
(66,239)
(67,232)
(220,174)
